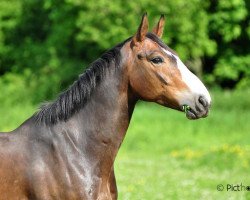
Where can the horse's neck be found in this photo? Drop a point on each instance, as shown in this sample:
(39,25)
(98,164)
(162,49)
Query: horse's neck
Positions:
(99,128)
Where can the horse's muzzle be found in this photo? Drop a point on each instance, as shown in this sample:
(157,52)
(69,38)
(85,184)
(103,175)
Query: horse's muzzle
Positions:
(200,109)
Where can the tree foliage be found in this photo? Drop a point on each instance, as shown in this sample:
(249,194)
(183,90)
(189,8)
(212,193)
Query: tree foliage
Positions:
(229,27)
(47,43)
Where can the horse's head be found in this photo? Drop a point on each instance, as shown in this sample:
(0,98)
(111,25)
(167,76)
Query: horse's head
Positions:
(157,74)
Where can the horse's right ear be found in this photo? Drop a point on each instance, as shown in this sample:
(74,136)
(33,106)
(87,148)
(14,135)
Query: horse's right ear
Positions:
(142,30)
(158,29)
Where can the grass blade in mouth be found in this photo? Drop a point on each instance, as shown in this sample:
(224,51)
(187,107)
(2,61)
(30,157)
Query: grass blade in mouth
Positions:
(186,108)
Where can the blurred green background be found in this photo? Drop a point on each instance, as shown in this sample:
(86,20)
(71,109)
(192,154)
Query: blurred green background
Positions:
(44,45)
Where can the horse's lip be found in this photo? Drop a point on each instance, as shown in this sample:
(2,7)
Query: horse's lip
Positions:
(191,114)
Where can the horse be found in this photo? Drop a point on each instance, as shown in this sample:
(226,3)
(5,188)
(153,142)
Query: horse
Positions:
(66,150)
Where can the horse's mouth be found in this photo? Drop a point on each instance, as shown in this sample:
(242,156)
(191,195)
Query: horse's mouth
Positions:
(192,114)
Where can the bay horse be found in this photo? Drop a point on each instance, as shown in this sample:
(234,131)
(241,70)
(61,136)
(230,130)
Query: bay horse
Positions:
(67,149)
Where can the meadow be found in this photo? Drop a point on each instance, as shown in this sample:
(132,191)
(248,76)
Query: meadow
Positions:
(166,156)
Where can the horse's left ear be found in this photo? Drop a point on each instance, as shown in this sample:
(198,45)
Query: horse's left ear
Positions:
(142,30)
(158,29)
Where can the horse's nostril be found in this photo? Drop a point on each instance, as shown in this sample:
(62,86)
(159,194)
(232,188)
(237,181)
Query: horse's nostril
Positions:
(203,101)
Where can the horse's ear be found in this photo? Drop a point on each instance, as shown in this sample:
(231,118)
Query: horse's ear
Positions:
(158,29)
(142,30)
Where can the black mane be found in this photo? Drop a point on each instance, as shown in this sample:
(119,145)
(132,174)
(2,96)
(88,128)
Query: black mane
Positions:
(76,96)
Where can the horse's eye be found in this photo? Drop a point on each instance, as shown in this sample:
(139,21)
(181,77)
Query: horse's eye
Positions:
(157,60)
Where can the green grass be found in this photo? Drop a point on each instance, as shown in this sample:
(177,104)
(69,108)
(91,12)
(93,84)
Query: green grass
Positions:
(166,156)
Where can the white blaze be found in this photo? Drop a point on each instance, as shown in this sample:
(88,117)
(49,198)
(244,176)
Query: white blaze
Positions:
(192,81)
